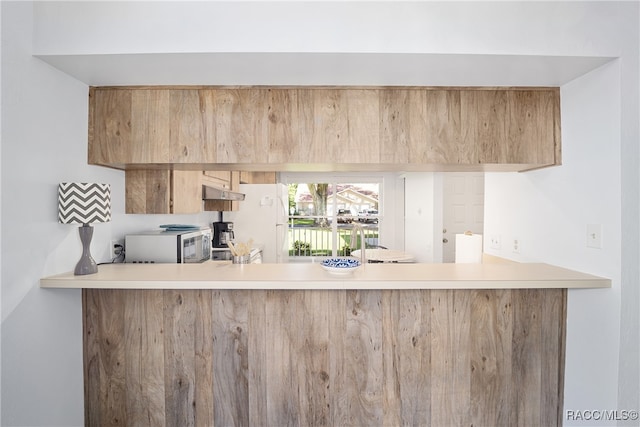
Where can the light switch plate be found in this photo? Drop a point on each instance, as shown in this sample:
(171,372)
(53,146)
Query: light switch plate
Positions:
(594,236)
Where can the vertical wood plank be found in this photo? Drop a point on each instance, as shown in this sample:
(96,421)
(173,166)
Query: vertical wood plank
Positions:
(105,361)
(144,355)
(531,134)
(147,191)
(527,357)
(323,124)
(282,399)
(179,355)
(391,355)
(491,332)
(362,110)
(364,372)
(395,125)
(450,372)
(186,192)
(204,359)
(552,351)
(150,126)
(407,357)
(230,358)
(110,135)
(283,125)
(91,357)
(187,127)
(313,358)
(443,142)
(241,124)
(338,382)
(483,124)
(258,346)
(414,340)
(557,133)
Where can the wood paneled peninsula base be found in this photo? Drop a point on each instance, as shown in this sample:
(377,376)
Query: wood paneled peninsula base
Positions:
(215,357)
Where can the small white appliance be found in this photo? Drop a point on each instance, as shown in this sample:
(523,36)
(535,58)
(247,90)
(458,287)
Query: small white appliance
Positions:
(263,218)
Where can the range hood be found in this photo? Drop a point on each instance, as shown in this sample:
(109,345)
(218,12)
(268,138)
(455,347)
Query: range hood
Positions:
(214,193)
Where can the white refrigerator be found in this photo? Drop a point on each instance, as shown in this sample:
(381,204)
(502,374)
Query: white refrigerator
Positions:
(263,218)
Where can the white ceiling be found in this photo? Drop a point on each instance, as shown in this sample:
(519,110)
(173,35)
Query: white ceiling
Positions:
(356,69)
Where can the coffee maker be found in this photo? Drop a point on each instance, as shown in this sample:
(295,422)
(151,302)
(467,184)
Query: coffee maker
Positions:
(222,233)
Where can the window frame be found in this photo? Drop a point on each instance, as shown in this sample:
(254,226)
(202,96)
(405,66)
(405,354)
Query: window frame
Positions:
(335,179)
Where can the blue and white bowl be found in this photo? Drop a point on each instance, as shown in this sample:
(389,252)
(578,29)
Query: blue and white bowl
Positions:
(340,265)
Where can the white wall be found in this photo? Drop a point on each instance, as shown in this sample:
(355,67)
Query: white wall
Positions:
(522,28)
(44,141)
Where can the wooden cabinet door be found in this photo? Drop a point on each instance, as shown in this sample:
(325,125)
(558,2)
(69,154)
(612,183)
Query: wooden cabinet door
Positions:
(138,126)
(511,126)
(239,117)
(151,191)
(109,126)
(186,192)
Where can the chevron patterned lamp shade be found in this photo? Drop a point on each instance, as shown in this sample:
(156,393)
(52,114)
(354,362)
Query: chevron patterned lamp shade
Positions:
(84,203)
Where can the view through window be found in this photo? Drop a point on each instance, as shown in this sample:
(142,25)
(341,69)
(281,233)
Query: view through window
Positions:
(322,217)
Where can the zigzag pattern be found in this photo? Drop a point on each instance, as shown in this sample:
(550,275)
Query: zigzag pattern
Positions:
(83,203)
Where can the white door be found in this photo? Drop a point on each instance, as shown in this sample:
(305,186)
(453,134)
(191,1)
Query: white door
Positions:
(463,208)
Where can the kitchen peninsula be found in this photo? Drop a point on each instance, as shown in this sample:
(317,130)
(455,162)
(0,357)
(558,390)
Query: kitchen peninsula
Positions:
(290,344)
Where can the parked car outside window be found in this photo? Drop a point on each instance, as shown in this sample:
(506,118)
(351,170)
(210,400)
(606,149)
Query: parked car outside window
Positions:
(344,216)
(368,215)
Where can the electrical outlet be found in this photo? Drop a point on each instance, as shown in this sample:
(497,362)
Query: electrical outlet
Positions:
(116,248)
(495,242)
(594,236)
(516,245)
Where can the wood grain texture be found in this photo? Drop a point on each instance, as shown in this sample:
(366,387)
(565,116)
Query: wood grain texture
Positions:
(276,126)
(450,356)
(187,141)
(150,127)
(364,373)
(491,391)
(110,133)
(324,358)
(283,126)
(443,143)
(204,347)
(396,129)
(105,373)
(147,191)
(241,117)
(527,111)
(179,354)
(144,353)
(186,192)
(362,111)
(230,358)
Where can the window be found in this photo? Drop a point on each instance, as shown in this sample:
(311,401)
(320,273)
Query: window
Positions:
(323,213)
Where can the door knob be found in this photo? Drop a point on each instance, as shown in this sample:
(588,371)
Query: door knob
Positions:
(445,240)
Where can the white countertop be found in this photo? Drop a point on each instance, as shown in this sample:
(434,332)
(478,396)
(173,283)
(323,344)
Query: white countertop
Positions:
(225,275)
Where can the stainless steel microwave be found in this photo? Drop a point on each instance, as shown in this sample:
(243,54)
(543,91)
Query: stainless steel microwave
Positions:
(168,246)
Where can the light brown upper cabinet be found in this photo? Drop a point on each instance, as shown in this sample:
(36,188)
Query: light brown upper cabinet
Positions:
(337,128)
